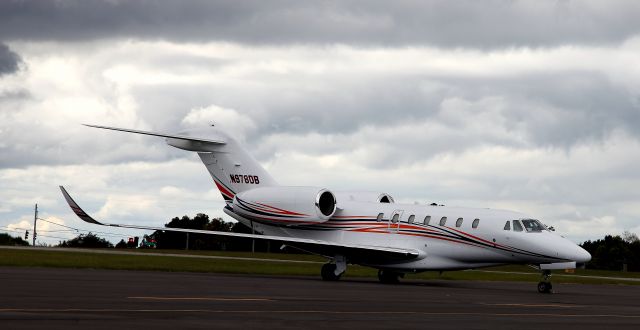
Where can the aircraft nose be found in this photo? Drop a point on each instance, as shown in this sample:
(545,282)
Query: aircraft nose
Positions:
(582,255)
(569,250)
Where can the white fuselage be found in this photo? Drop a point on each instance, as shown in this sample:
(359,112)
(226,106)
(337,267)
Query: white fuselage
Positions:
(478,240)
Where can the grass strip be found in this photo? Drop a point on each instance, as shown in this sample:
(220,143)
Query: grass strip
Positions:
(73,259)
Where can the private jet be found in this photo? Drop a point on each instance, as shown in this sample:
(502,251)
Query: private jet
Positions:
(363,228)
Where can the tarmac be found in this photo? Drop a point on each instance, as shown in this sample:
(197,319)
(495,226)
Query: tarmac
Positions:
(38,298)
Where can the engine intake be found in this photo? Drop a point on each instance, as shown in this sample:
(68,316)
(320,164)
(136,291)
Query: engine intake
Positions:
(326,203)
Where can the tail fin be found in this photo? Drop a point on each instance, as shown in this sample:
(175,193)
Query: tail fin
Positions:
(233,170)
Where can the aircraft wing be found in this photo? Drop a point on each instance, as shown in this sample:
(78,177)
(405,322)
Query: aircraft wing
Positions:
(367,254)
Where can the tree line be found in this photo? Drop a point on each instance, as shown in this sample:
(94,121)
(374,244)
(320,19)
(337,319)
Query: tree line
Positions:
(6,239)
(614,252)
(177,240)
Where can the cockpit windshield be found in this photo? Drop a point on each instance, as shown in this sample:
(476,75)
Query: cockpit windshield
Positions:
(532,225)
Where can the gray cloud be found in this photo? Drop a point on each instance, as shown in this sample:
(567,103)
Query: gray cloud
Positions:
(9,60)
(481,24)
(531,110)
(551,130)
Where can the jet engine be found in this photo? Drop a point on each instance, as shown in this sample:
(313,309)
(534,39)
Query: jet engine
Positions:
(364,196)
(286,205)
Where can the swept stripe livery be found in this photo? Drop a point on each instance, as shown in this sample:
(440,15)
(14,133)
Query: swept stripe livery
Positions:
(225,191)
(263,213)
(367,224)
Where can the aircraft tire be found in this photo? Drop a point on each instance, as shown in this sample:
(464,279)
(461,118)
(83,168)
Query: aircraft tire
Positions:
(328,272)
(388,277)
(544,287)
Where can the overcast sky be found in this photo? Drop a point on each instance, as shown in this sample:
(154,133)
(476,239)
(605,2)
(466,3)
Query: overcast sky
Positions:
(532,106)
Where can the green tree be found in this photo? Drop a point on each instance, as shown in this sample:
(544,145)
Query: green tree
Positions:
(6,239)
(612,252)
(178,240)
(121,245)
(89,240)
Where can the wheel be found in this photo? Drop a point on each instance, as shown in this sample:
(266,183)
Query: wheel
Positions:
(388,277)
(328,272)
(544,287)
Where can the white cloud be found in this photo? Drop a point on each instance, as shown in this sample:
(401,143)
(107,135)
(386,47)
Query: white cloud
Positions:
(232,121)
(124,193)
(591,227)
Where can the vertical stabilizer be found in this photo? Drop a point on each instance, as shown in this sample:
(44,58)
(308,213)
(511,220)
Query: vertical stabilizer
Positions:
(233,170)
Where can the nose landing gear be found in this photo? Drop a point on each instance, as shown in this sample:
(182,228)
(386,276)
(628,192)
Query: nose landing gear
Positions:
(544,286)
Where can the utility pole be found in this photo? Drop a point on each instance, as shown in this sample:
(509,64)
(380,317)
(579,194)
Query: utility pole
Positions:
(35,220)
(187,247)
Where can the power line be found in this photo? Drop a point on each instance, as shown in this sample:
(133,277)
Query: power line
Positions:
(13,230)
(83,230)
(74,230)
(64,238)
(50,231)
(55,223)
(48,236)
(20,231)
(57,231)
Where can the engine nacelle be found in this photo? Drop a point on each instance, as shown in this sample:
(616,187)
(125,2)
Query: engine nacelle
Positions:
(364,196)
(286,205)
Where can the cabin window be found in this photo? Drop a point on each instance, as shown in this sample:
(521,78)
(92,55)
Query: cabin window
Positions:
(380,216)
(517,226)
(459,222)
(507,225)
(475,223)
(395,218)
(443,221)
(411,218)
(427,219)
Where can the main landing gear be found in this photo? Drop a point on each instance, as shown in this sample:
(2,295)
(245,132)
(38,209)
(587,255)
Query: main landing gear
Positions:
(333,270)
(544,286)
(389,277)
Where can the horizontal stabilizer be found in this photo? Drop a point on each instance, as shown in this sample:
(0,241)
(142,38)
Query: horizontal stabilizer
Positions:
(165,135)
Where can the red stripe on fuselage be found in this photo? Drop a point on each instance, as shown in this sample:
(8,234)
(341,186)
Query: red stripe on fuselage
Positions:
(223,190)
(283,211)
(478,238)
(282,220)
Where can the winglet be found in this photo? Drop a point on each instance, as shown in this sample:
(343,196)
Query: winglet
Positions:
(77,209)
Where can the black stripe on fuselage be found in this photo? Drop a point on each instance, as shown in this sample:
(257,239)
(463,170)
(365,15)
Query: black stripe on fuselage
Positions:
(247,207)
(439,232)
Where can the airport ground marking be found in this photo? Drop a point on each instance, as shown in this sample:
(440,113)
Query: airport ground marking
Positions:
(534,305)
(201,298)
